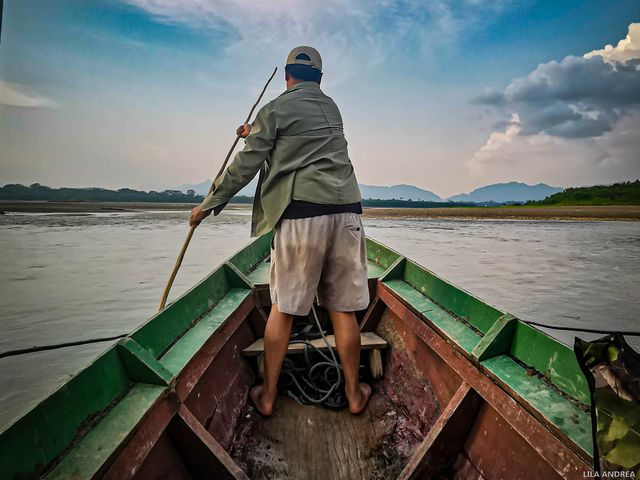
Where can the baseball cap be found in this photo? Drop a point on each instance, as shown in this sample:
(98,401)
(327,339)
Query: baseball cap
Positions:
(305,56)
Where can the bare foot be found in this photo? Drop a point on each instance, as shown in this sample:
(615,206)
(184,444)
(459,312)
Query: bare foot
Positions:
(264,408)
(359,403)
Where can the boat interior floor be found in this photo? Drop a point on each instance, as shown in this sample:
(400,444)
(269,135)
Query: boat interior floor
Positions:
(433,414)
(311,442)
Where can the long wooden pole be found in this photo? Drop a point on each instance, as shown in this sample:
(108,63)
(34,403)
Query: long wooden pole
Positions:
(192,229)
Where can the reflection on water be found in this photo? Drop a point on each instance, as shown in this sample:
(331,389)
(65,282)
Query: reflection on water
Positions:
(73,276)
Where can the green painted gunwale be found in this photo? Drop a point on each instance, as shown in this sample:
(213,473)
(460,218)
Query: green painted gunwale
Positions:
(507,349)
(82,423)
(117,389)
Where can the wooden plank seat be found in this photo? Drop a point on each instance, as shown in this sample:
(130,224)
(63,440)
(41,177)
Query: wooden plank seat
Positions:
(369,341)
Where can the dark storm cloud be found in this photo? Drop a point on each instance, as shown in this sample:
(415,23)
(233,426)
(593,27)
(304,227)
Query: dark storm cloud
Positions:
(574,98)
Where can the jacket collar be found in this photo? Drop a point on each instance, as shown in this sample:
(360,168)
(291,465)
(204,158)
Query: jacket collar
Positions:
(304,85)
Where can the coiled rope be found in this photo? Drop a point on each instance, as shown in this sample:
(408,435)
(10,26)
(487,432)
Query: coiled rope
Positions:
(317,379)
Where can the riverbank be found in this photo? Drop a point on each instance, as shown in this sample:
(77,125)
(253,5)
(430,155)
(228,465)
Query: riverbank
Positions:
(585,213)
(91,207)
(577,213)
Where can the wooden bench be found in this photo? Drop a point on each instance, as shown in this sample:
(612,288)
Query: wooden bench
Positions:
(368,340)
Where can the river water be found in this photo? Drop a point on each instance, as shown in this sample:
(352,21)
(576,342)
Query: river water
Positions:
(66,277)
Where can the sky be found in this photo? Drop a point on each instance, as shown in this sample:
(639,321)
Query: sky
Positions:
(447,95)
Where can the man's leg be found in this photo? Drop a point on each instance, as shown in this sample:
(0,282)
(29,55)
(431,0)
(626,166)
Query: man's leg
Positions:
(276,343)
(347,332)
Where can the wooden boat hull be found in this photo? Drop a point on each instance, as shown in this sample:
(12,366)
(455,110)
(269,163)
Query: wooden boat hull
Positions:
(478,393)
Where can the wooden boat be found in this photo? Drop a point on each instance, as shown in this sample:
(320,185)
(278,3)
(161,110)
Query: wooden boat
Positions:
(468,392)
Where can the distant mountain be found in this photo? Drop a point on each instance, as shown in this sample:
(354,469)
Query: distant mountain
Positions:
(507,192)
(498,193)
(398,192)
(199,188)
(203,188)
(395,192)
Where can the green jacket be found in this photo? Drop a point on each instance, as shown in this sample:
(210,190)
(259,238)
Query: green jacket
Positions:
(297,143)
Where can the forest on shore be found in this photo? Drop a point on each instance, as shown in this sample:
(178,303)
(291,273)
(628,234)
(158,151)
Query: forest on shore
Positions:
(37,192)
(623,193)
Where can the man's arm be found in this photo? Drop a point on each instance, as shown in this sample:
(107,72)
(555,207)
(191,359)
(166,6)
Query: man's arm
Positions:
(244,167)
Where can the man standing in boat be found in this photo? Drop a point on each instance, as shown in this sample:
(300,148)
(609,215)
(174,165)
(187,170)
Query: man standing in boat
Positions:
(308,194)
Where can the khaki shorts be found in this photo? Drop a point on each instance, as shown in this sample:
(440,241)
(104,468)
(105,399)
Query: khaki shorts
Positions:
(324,256)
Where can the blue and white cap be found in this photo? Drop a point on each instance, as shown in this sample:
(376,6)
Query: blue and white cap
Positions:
(305,56)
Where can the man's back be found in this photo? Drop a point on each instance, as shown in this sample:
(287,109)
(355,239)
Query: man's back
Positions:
(310,144)
(297,142)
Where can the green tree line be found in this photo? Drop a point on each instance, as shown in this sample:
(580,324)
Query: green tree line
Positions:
(623,193)
(37,192)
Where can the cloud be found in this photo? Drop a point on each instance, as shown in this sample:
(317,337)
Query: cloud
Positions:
(15,95)
(627,49)
(574,98)
(497,141)
(351,34)
(546,158)
(576,118)
(578,97)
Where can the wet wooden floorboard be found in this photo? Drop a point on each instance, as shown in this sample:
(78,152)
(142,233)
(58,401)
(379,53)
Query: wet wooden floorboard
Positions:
(308,442)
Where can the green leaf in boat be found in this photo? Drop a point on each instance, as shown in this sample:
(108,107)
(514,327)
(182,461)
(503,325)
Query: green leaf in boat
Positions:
(626,453)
